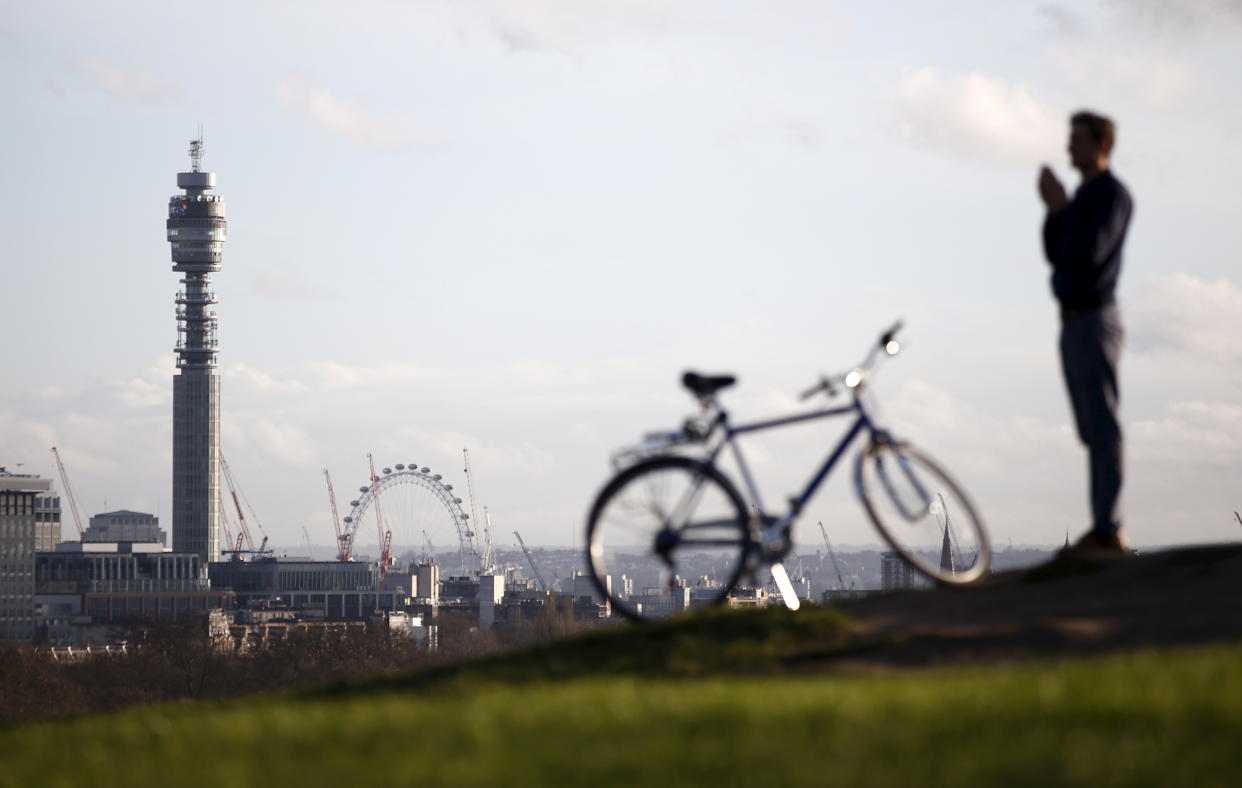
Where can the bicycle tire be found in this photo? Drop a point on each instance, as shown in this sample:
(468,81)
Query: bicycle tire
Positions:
(636,531)
(923,513)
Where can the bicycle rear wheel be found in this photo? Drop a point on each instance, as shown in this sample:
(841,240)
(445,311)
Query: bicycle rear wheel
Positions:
(922,513)
(667,535)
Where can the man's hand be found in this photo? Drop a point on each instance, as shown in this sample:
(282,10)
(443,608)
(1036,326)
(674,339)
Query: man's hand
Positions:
(1051,191)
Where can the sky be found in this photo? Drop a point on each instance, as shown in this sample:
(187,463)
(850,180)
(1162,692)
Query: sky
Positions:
(509,226)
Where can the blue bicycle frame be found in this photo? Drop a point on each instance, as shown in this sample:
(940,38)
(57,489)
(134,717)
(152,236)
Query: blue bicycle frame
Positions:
(861,423)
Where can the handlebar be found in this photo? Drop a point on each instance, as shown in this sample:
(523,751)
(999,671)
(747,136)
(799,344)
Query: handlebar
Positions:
(852,379)
(891,334)
(824,384)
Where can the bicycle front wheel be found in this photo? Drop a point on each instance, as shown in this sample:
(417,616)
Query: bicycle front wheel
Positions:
(667,535)
(922,513)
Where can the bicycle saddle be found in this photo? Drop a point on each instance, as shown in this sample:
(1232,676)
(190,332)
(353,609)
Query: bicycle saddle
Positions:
(706,385)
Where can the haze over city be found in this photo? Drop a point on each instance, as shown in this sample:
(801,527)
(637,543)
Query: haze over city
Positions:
(509,226)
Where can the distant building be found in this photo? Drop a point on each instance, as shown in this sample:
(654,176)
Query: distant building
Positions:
(124,526)
(428,582)
(19,494)
(895,573)
(340,589)
(47,521)
(491,598)
(196,233)
(92,584)
(746,596)
(658,602)
(458,588)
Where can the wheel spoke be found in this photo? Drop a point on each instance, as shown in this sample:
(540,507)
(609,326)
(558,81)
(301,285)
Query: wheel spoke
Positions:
(687,525)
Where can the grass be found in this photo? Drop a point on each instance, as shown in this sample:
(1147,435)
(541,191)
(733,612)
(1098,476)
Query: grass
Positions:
(709,642)
(661,706)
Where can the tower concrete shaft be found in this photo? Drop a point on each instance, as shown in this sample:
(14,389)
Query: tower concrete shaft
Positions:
(196,233)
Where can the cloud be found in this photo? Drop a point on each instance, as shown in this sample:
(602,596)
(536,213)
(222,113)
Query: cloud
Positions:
(287,285)
(336,375)
(1183,18)
(442,449)
(977,116)
(345,118)
(1061,19)
(549,25)
(258,380)
(805,133)
(318,376)
(127,84)
(286,442)
(141,393)
(524,26)
(1160,80)
(1194,433)
(1181,313)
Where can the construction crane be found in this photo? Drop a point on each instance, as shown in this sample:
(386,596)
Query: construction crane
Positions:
(431,548)
(832,555)
(243,536)
(73,500)
(487,561)
(530,560)
(224,519)
(1238,517)
(342,540)
(385,537)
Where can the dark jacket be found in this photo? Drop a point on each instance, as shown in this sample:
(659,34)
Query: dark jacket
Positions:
(1083,243)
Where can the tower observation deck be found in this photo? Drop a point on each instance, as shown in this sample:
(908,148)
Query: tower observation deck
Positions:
(196,233)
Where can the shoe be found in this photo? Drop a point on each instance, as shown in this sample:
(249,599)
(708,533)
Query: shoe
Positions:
(1094,544)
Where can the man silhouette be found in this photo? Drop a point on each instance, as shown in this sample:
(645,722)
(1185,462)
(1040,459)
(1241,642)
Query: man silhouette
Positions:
(1083,239)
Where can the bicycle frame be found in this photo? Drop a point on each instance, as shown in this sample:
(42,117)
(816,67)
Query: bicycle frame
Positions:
(774,526)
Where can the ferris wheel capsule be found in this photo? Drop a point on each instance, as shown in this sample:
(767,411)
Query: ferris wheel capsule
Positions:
(399,467)
(388,470)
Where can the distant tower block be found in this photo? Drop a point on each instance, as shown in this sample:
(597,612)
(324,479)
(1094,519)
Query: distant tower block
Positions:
(196,230)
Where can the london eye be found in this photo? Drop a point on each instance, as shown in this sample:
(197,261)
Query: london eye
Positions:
(420,513)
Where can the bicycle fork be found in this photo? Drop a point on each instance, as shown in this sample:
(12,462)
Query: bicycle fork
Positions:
(775,542)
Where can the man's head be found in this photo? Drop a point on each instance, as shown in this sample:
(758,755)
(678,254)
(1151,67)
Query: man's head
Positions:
(1090,142)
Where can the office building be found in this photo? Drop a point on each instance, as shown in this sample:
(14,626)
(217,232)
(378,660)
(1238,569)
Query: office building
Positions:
(124,526)
(339,589)
(47,521)
(18,497)
(895,573)
(96,583)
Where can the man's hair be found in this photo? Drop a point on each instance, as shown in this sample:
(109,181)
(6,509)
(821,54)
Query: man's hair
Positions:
(1102,130)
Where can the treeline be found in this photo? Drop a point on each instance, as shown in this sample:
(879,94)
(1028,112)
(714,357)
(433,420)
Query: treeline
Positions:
(178,659)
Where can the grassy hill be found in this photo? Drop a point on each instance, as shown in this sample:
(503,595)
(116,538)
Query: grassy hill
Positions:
(758,697)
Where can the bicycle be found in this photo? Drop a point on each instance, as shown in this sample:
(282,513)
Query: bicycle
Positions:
(668,515)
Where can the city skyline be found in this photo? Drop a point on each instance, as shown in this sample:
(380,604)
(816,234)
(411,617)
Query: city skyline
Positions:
(509,226)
